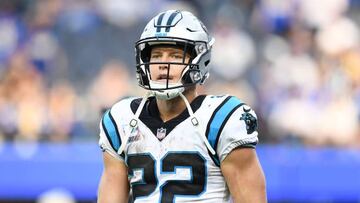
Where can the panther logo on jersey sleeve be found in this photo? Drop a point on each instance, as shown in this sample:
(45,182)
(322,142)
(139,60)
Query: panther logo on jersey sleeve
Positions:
(249,119)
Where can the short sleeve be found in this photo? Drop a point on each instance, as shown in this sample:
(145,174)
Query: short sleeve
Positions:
(240,130)
(110,139)
(232,124)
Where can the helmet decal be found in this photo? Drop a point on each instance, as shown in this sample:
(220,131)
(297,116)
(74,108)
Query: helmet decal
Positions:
(159,21)
(171,19)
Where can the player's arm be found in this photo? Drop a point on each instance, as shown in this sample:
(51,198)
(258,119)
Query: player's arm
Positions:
(114,185)
(244,176)
(238,160)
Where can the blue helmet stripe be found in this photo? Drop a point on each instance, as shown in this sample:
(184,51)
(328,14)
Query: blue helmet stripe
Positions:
(169,21)
(159,21)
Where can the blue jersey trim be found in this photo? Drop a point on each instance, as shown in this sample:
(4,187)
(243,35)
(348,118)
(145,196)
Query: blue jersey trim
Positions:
(218,121)
(111,130)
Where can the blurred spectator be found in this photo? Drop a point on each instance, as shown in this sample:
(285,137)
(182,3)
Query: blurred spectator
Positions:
(111,84)
(43,14)
(8,115)
(108,87)
(292,76)
(11,34)
(296,62)
(239,46)
(310,89)
(275,15)
(321,13)
(339,36)
(24,96)
(62,100)
(125,13)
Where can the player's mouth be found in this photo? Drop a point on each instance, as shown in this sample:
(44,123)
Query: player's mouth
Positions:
(164,77)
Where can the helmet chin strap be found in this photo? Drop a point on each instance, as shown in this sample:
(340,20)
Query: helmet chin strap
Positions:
(197,124)
(133,124)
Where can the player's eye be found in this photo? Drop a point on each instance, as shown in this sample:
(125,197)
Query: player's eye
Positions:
(155,56)
(177,56)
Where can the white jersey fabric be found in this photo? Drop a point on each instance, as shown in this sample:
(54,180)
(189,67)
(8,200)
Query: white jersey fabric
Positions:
(169,162)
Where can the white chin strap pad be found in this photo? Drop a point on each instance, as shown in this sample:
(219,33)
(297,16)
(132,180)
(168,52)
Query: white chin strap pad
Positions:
(166,94)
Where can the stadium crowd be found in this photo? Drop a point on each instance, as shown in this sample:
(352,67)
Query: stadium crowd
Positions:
(297,63)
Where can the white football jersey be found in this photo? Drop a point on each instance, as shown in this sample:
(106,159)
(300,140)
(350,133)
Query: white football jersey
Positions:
(169,161)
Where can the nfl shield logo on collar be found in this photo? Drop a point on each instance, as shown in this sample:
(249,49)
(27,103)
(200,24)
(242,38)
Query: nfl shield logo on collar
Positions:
(161,133)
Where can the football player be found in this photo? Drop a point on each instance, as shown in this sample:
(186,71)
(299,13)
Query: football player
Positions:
(174,145)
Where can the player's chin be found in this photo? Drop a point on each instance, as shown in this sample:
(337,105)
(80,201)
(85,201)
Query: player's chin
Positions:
(162,80)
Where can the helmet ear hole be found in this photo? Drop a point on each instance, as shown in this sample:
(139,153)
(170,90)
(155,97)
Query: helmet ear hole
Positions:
(191,77)
(196,76)
(207,62)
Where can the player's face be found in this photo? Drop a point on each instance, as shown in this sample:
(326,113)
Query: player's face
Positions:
(159,72)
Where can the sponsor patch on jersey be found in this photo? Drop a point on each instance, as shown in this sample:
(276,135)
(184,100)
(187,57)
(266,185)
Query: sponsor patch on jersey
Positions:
(134,135)
(134,138)
(249,119)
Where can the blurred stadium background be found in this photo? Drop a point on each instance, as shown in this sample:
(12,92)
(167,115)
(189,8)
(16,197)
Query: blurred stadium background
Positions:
(296,62)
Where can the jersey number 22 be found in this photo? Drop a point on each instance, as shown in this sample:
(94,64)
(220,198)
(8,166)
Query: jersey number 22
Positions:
(168,164)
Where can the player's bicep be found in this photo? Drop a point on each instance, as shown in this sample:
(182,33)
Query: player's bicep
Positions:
(244,176)
(114,185)
(114,167)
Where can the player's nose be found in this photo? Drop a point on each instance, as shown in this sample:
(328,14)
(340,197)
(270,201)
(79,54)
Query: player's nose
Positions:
(163,66)
(164,60)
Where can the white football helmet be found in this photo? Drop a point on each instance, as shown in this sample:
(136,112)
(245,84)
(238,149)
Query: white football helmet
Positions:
(174,28)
